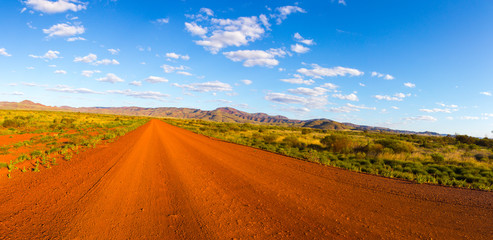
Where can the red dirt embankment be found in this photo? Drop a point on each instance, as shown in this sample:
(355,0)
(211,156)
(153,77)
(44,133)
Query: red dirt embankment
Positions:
(163,182)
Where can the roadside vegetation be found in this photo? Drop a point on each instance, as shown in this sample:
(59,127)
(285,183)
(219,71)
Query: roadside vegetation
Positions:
(460,161)
(33,140)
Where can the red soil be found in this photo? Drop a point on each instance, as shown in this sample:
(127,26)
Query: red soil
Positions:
(163,182)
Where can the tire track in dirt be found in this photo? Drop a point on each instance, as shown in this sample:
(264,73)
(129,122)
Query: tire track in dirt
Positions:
(163,182)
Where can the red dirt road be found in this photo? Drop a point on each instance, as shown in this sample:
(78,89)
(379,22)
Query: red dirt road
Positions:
(163,182)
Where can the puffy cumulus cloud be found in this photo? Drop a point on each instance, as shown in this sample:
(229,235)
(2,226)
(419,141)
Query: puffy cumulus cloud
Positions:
(214,86)
(67,89)
(342,2)
(283,12)
(177,56)
(60,72)
(89,73)
(86,59)
(301,39)
(154,79)
(246,81)
(136,83)
(64,30)
(93,59)
(350,108)
(140,94)
(330,86)
(350,97)
(227,32)
(421,118)
(252,58)
(316,91)
(114,51)
(3,52)
(48,55)
(381,75)
(320,72)
(396,97)
(409,85)
(195,29)
(59,6)
(298,48)
(486,93)
(111,78)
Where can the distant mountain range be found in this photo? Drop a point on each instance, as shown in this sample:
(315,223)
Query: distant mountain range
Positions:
(225,114)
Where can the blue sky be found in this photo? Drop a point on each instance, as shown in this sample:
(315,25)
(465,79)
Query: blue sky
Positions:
(412,65)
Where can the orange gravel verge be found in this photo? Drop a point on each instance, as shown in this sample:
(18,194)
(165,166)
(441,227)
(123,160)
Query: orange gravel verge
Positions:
(163,182)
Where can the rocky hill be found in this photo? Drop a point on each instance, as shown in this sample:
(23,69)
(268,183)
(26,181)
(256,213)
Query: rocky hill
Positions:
(225,114)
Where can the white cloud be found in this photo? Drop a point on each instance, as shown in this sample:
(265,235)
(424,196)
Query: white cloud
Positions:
(362,84)
(89,73)
(64,30)
(342,2)
(59,6)
(48,55)
(350,97)
(67,89)
(106,62)
(227,32)
(316,91)
(246,81)
(162,20)
(394,107)
(421,118)
(320,72)
(86,59)
(177,56)
(16,93)
(388,77)
(448,106)
(252,58)
(487,114)
(298,48)
(3,52)
(438,110)
(207,11)
(298,80)
(310,102)
(111,78)
(154,79)
(410,85)
(170,69)
(138,94)
(184,73)
(73,39)
(285,98)
(215,86)
(330,86)
(350,108)
(195,29)
(486,93)
(114,51)
(396,97)
(60,72)
(381,75)
(283,12)
(300,39)
(29,68)
(136,83)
